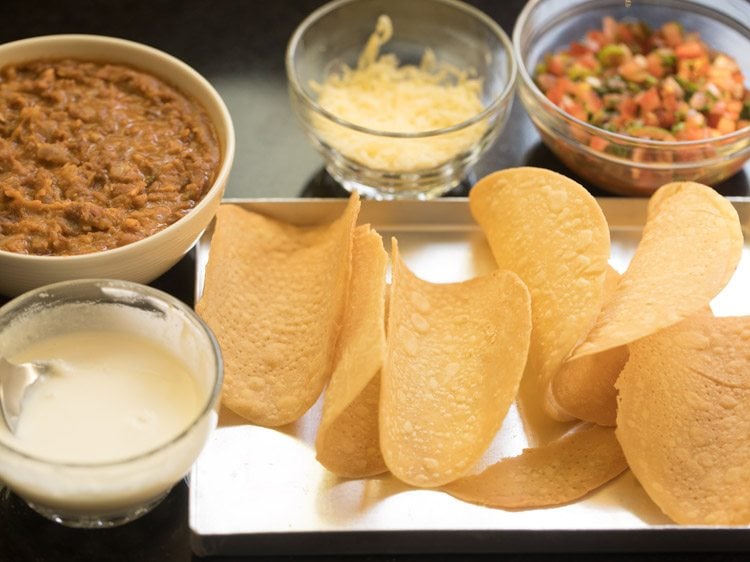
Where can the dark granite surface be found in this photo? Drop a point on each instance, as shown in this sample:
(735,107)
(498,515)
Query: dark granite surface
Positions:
(239,45)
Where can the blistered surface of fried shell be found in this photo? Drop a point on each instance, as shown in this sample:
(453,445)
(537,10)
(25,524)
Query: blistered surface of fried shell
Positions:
(691,245)
(553,474)
(348,441)
(684,419)
(274,296)
(551,232)
(456,353)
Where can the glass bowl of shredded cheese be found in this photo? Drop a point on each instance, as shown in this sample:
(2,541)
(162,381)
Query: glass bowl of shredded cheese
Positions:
(400,98)
(633,95)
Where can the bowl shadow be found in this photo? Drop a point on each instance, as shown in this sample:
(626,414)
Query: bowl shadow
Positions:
(322,185)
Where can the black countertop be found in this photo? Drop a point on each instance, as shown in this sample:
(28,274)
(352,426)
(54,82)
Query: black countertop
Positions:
(239,46)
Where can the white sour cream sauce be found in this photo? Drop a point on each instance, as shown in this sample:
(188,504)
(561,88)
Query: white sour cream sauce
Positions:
(113,395)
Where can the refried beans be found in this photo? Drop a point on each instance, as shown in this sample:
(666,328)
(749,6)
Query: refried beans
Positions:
(94,156)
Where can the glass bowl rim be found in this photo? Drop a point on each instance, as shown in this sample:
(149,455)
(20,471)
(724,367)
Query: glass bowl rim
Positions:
(490,109)
(140,290)
(555,111)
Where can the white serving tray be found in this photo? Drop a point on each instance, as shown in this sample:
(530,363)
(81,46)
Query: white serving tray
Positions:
(260,491)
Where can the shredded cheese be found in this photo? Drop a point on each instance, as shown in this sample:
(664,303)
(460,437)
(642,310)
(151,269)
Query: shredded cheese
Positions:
(381,95)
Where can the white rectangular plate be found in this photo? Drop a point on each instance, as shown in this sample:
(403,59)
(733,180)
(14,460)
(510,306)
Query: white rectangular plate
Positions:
(260,491)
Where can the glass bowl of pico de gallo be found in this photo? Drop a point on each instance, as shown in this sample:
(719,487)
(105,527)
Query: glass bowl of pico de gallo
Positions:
(631,95)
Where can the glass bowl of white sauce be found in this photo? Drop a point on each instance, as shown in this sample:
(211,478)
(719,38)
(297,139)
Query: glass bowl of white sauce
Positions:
(126,409)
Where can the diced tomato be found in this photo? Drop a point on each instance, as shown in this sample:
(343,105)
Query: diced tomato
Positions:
(727,80)
(578,49)
(570,85)
(672,33)
(665,84)
(692,70)
(595,39)
(555,95)
(671,88)
(648,100)
(556,65)
(609,29)
(598,143)
(655,65)
(725,126)
(669,103)
(666,118)
(562,86)
(546,81)
(689,50)
(624,33)
(632,71)
(594,103)
(734,108)
(650,119)
(692,134)
(628,108)
(588,60)
(573,108)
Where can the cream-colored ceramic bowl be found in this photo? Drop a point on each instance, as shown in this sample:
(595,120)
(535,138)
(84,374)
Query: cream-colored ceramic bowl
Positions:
(146,259)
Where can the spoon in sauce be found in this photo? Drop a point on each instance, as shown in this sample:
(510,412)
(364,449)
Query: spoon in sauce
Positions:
(15,380)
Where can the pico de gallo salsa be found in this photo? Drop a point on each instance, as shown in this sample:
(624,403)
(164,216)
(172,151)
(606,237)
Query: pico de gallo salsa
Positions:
(664,84)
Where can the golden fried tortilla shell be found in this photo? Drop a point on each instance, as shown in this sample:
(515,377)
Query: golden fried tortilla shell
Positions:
(691,245)
(349,445)
(456,353)
(347,441)
(551,232)
(274,295)
(585,387)
(556,473)
(684,419)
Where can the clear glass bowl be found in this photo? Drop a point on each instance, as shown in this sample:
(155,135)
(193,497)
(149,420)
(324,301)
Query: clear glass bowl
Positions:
(106,494)
(629,165)
(458,34)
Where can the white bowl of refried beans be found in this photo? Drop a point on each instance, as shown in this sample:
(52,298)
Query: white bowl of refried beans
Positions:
(113,159)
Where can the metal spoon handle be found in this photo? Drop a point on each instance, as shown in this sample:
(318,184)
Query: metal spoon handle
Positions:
(14,380)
